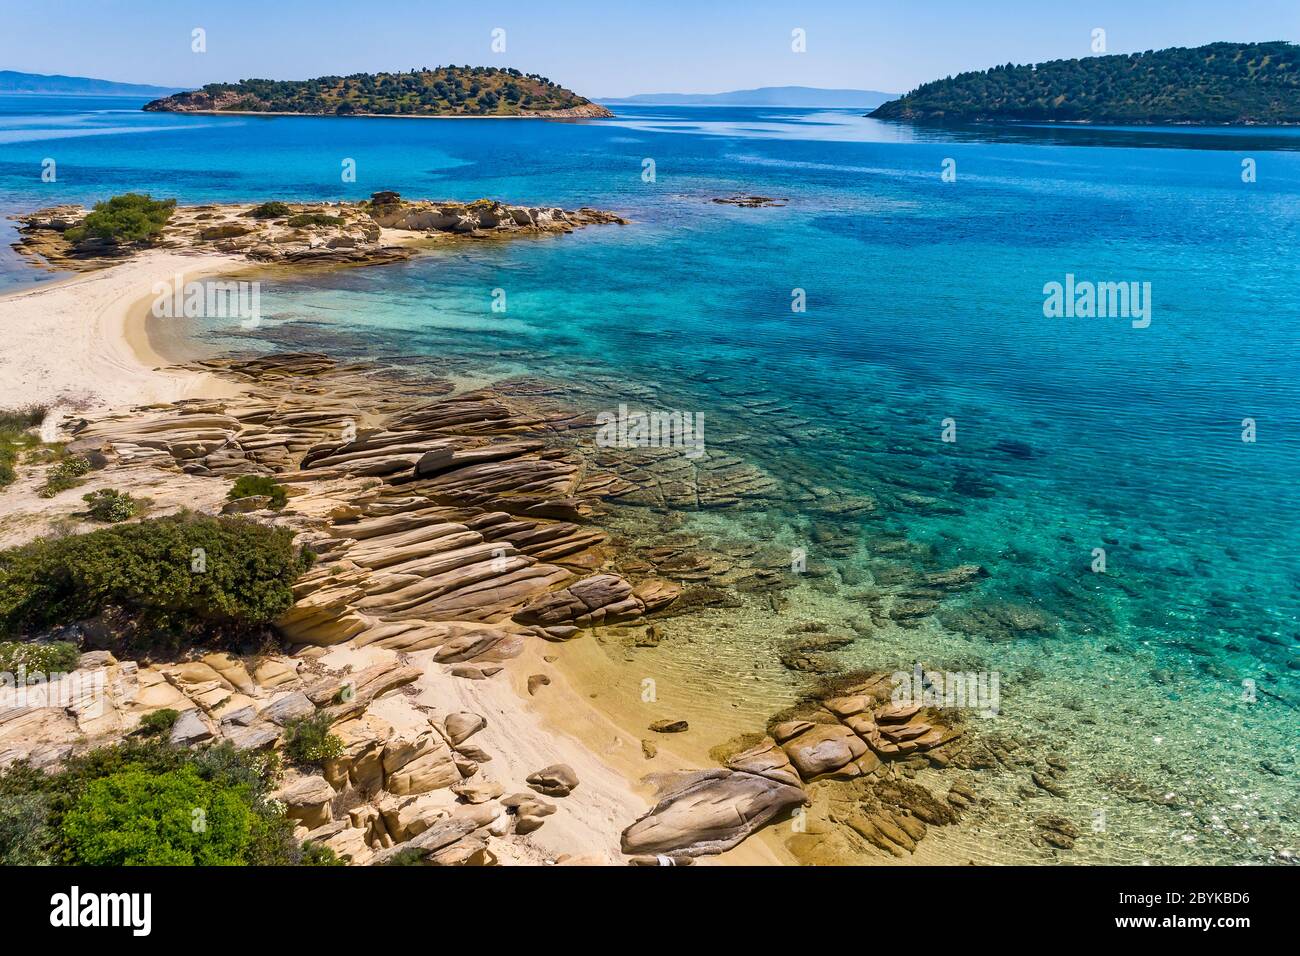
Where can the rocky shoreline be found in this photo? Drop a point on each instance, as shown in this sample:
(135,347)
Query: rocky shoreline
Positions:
(385,228)
(458,542)
(449,534)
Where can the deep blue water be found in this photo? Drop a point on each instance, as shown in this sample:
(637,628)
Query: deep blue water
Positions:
(924,303)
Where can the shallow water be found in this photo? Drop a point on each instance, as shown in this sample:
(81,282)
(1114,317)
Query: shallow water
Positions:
(1168,681)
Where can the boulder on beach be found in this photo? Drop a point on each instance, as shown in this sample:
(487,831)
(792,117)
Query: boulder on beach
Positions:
(710,812)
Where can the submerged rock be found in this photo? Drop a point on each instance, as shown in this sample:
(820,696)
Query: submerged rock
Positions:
(750,202)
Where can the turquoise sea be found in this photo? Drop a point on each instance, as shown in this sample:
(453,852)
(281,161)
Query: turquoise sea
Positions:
(1169,682)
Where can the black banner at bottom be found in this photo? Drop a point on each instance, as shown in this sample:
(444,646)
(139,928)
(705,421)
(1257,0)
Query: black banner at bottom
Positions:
(337,904)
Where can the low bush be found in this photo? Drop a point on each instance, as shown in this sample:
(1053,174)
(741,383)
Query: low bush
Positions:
(169,581)
(110,505)
(318,854)
(52,657)
(308,741)
(44,453)
(248,486)
(407,857)
(158,722)
(314,219)
(146,803)
(130,217)
(135,818)
(25,830)
(65,474)
(269,210)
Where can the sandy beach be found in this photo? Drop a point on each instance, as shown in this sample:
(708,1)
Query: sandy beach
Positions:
(82,342)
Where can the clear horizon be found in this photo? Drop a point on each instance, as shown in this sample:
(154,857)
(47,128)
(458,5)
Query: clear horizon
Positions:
(600,53)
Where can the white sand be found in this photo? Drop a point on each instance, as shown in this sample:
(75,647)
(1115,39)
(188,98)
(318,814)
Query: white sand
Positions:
(81,342)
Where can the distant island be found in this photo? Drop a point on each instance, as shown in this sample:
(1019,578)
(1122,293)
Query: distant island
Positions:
(807,96)
(12,81)
(1221,83)
(444,91)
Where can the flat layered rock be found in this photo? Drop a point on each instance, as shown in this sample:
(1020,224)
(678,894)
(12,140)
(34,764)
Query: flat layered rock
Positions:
(766,760)
(370,683)
(600,599)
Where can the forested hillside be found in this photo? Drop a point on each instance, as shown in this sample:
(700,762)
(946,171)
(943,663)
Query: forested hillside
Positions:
(1234,83)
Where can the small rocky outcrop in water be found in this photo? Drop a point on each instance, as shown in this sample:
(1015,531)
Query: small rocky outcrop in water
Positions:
(750,202)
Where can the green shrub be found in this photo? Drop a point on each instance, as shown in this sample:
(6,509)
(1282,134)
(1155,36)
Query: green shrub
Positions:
(308,741)
(135,818)
(248,486)
(130,217)
(258,769)
(158,722)
(318,854)
(135,802)
(110,505)
(53,657)
(410,856)
(314,219)
(65,474)
(179,579)
(24,830)
(270,210)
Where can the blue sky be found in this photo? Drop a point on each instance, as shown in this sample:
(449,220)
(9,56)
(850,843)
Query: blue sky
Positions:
(610,48)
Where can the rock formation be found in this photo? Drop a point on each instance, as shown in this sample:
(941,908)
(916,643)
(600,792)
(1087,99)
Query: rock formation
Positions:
(379,230)
(454,527)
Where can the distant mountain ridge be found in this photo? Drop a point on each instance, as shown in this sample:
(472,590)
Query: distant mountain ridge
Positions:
(442,91)
(1216,84)
(11,81)
(810,96)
